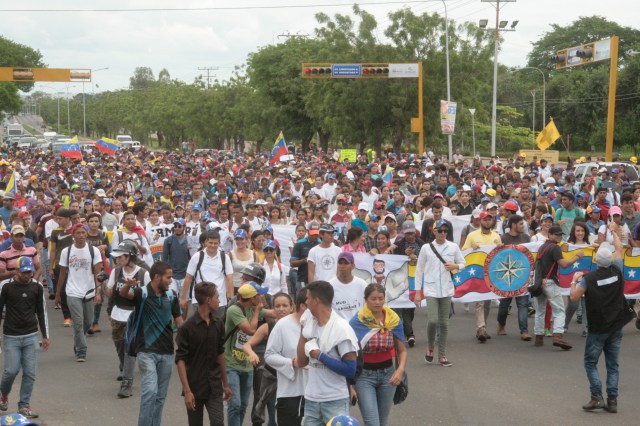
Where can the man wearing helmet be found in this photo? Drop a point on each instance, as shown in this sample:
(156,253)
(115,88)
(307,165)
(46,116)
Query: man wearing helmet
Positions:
(126,271)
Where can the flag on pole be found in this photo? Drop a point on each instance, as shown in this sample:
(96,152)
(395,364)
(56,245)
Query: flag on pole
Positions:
(279,149)
(71,149)
(547,136)
(387,176)
(107,146)
(11,185)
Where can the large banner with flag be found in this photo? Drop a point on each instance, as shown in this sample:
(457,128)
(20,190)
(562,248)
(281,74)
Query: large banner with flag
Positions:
(491,272)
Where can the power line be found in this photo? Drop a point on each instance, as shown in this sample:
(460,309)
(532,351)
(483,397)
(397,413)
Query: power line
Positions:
(215,8)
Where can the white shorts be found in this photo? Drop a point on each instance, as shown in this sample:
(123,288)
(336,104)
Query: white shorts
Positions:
(176,285)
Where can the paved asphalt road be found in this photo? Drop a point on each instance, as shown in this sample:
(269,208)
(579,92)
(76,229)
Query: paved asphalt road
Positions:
(503,382)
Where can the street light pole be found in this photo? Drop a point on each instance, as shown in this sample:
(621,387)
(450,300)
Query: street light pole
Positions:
(544,93)
(496,47)
(473,129)
(446,41)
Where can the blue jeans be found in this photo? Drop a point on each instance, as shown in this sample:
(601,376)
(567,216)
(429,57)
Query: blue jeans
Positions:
(596,343)
(241,384)
(155,374)
(522,302)
(375,395)
(552,292)
(45,265)
(82,315)
(319,413)
(20,351)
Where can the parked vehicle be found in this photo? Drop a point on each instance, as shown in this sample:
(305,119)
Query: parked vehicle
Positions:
(583,171)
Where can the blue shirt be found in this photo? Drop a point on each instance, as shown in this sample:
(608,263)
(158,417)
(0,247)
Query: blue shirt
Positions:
(5,214)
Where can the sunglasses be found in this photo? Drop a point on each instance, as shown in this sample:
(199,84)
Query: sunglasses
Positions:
(442,231)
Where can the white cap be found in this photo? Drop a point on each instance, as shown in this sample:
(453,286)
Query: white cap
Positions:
(363,206)
(549,181)
(604,256)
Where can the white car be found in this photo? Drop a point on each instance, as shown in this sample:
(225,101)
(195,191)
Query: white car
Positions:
(582,171)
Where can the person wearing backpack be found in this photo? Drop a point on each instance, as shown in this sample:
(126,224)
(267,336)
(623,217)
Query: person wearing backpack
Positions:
(131,231)
(154,303)
(550,260)
(80,264)
(608,312)
(126,270)
(212,265)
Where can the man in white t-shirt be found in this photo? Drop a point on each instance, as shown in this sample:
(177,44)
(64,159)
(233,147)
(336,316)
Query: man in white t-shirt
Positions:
(348,291)
(79,268)
(322,259)
(207,265)
(328,347)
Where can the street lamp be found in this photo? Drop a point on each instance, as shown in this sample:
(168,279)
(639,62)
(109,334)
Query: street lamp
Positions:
(473,128)
(84,105)
(500,26)
(59,94)
(446,41)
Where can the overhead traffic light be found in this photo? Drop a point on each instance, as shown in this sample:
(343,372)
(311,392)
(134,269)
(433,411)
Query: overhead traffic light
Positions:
(375,71)
(586,53)
(316,71)
(560,59)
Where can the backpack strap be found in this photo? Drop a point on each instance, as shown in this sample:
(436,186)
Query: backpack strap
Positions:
(200,260)
(90,254)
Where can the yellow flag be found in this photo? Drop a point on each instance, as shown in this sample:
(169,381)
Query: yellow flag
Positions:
(548,136)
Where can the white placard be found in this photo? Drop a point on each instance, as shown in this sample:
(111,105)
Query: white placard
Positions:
(403,70)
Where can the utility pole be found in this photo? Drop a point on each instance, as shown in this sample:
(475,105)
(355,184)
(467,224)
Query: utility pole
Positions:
(209,77)
(533,124)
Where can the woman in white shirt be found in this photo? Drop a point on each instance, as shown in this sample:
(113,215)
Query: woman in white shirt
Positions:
(241,256)
(546,222)
(604,233)
(275,279)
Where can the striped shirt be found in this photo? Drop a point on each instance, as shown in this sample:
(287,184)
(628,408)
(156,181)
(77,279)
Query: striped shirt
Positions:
(9,257)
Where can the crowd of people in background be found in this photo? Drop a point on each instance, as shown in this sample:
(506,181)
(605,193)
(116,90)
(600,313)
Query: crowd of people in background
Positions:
(297,343)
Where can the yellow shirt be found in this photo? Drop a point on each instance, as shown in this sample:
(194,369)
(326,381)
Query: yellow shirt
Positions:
(481,239)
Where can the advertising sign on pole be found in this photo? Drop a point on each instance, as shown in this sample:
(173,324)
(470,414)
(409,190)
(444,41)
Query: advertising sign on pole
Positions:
(448,117)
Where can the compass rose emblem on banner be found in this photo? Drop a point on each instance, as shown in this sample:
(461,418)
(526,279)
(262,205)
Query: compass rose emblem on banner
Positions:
(507,270)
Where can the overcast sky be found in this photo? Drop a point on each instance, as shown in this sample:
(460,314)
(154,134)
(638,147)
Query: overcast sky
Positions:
(183,41)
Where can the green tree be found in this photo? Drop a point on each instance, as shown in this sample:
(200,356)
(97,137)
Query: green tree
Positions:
(13,54)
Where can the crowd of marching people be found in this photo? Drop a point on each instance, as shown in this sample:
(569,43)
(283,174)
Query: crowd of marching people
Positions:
(301,341)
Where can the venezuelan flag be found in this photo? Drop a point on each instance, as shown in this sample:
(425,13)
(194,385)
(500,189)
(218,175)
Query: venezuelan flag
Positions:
(72,149)
(585,265)
(387,176)
(631,271)
(107,146)
(11,185)
(471,278)
(279,149)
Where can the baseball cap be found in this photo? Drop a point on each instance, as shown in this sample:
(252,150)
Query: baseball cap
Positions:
(491,206)
(180,221)
(491,192)
(593,209)
(15,419)
(240,234)
(251,289)
(17,230)
(511,206)
(390,216)
(348,256)
(8,196)
(555,230)
(269,244)
(547,216)
(101,193)
(325,227)
(485,214)
(378,205)
(196,207)
(604,256)
(549,181)
(408,226)
(476,213)
(314,228)
(373,217)
(440,223)
(615,210)
(363,206)
(25,264)
(343,421)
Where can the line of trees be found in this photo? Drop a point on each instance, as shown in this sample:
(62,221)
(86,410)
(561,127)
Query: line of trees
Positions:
(267,94)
